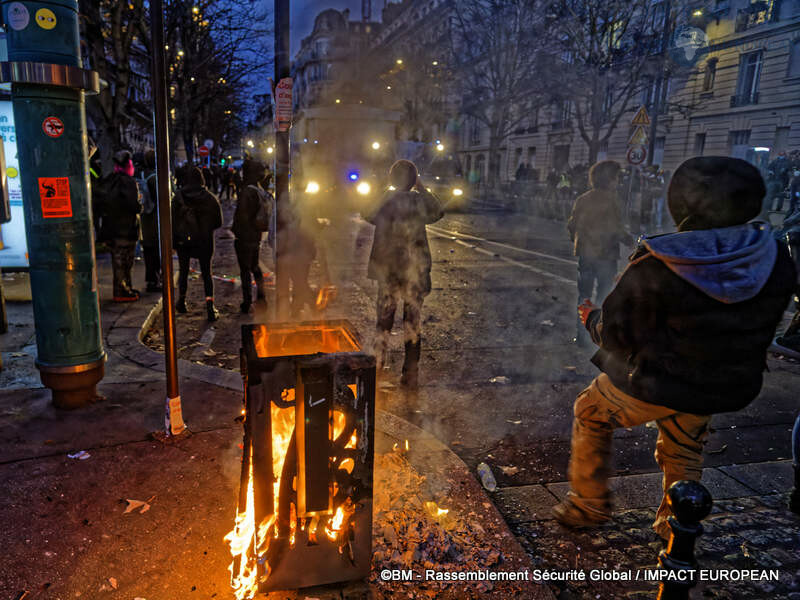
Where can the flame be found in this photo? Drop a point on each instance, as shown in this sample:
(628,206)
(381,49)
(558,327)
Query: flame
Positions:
(282,428)
(435,510)
(335,525)
(352,443)
(348,464)
(240,538)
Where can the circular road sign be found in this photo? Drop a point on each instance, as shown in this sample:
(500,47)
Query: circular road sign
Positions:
(209,143)
(203,151)
(636,155)
(53,127)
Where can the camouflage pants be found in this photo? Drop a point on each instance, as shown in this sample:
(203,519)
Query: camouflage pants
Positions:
(122,255)
(601,408)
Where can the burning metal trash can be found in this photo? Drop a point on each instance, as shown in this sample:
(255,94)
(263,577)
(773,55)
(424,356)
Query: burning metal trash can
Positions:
(305,503)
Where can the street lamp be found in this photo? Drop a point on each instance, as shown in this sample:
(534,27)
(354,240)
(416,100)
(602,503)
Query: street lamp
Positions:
(440,147)
(399,61)
(270,150)
(250,144)
(376,145)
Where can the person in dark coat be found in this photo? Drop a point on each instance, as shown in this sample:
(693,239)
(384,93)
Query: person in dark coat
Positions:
(684,333)
(150,239)
(119,228)
(196,213)
(596,229)
(400,261)
(248,237)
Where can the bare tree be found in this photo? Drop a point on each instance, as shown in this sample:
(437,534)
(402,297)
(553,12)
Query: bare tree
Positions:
(604,54)
(111,29)
(495,51)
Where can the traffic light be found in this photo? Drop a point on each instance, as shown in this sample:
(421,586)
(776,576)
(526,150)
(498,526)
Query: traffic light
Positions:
(222,161)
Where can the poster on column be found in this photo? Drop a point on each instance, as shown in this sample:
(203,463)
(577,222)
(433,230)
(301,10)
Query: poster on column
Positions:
(14,249)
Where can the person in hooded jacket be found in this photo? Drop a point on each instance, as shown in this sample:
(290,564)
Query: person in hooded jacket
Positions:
(196,213)
(119,223)
(400,261)
(683,334)
(596,229)
(248,237)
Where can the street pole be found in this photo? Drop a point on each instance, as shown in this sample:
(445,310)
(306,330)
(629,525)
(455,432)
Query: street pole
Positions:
(48,87)
(659,82)
(282,166)
(174,417)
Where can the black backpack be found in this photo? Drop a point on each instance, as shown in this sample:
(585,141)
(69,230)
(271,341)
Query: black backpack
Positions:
(185,223)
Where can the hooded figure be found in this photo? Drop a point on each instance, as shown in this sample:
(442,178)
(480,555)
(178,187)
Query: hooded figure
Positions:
(401,260)
(150,239)
(683,334)
(196,213)
(119,208)
(595,227)
(248,237)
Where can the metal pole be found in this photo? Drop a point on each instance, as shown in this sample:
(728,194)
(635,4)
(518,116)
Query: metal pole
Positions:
(659,83)
(282,166)
(174,417)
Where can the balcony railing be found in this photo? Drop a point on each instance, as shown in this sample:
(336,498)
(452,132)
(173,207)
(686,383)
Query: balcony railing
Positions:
(744,99)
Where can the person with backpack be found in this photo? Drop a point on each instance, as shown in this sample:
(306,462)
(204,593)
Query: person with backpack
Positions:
(252,217)
(400,261)
(196,213)
(117,197)
(683,335)
(149,219)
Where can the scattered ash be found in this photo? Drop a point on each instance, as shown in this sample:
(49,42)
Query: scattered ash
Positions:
(413,532)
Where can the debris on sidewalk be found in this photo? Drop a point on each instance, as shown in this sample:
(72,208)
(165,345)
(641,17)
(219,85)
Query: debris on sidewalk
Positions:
(548,323)
(144,505)
(509,470)
(501,379)
(80,455)
(487,477)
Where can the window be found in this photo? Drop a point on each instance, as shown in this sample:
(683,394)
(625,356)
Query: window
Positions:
(782,139)
(739,143)
(749,77)
(475,133)
(699,143)
(709,75)
(794,58)
(517,157)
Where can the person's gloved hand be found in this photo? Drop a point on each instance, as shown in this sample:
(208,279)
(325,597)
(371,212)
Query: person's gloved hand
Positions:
(584,308)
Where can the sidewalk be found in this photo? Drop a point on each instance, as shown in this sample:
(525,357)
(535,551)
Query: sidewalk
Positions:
(65,533)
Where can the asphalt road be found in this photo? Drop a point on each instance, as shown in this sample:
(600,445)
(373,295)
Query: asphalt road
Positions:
(499,371)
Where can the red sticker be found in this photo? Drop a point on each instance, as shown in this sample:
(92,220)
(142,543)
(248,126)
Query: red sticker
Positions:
(53,127)
(54,193)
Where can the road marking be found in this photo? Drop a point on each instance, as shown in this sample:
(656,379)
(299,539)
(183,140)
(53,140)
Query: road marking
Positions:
(505,259)
(444,232)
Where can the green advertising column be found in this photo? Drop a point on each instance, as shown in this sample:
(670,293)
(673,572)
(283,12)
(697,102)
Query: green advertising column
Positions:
(48,96)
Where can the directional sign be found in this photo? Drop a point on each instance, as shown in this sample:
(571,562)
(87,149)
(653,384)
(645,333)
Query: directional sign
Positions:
(641,117)
(209,144)
(203,151)
(639,137)
(636,155)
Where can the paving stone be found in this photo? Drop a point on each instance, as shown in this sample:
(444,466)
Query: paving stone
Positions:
(765,478)
(525,503)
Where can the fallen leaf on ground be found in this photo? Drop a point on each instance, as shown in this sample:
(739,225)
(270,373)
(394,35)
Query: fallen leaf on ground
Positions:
(144,505)
(513,422)
(502,379)
(509,470)
(113,582)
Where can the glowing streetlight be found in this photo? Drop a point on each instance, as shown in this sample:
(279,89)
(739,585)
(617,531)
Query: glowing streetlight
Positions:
(435,63)
(270,150)
(250,144)
(196,10)
(363,188)
(698,12)
(180,52)
(376,145)
(338,101)
(388,87)
(399,61)
(440,147)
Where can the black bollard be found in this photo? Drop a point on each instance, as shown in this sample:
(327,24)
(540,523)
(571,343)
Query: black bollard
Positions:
(690,502)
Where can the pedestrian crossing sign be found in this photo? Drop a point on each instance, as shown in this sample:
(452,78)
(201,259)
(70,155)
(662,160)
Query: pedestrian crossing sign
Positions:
(641,117)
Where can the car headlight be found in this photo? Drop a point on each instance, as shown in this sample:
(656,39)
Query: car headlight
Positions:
(458,192)
(363,188)
(312,187)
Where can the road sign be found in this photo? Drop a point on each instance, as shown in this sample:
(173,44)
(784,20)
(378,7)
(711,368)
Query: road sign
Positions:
(53,127)
(209,144)
(203,151)
(283,104)
(636,155)
(641,117)
(639,137)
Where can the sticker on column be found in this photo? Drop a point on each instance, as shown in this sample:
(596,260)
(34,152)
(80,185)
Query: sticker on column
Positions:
(54,193)
(45,18)
(18,16)
(53,127)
